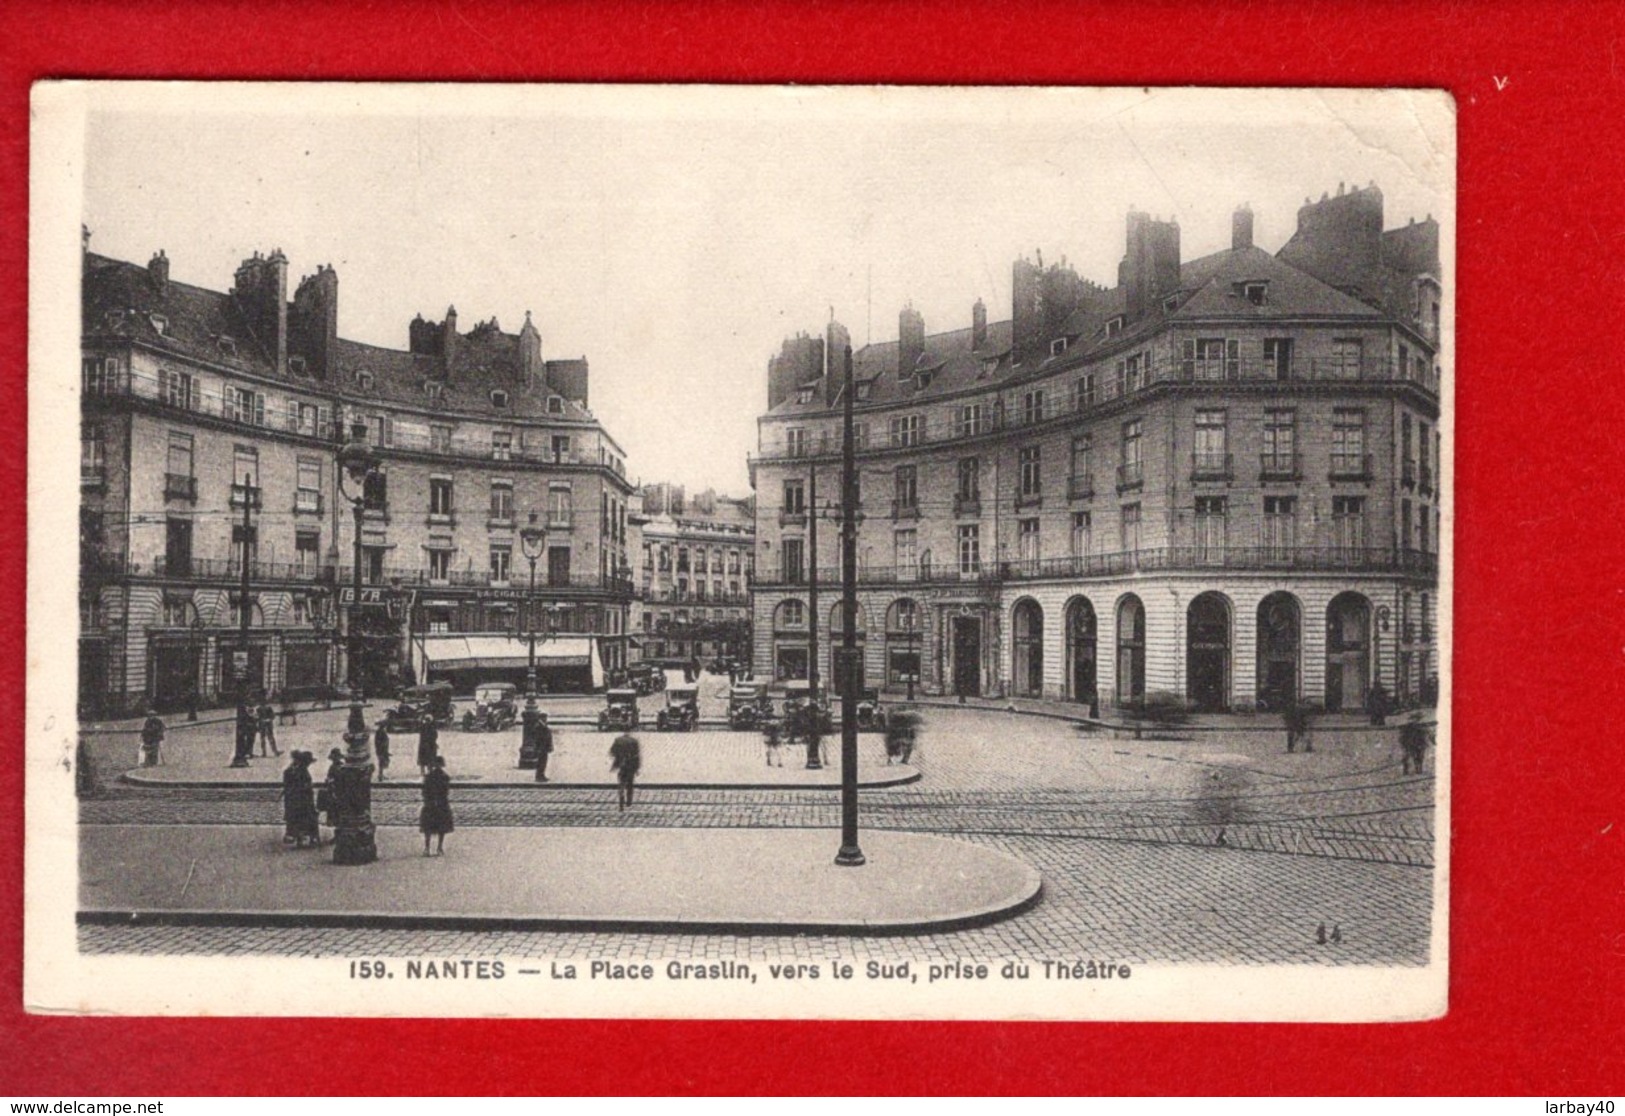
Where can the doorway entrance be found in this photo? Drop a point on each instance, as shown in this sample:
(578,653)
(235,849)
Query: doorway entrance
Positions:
(967,651)
(1207,653)
(1280,628)
(1348,651)
(1080,651)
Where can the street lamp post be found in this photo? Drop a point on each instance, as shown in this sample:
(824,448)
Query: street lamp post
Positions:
(849,855)
(532,541)
(239,666)
(354,838)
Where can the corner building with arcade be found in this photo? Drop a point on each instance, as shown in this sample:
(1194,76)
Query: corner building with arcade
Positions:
(211,425)
(1218,479)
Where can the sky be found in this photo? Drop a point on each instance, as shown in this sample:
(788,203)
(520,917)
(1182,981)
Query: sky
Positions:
(676,235)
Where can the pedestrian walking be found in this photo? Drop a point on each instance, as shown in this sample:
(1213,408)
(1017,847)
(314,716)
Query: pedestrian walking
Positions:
(327,799)
(152,740)
(770,739)
(1378,704)
(245,734)
(815,738)
(267,724)
(380,745)
(544,746)
(906,724)
(428,743)
(300,822)
(625,758)
(434,820)
(1413,744)
(1295,718)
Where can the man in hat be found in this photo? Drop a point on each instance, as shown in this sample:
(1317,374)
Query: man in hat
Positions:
(544,745)
(1413,743)
(428,742)
(380,744)
(152,739)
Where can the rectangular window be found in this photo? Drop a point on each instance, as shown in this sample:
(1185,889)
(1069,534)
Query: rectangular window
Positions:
(970,549)
(905,551)
(860,435)
(795,442)
(1131,373)
(1083,392)
(439,564)
(92,455)
(1280,526)
(501,445)
(99,375)
(1080,482)
(1424,468)
(969,489)
(179,462)
(905,430)
(440,496)
(501,563)
(502,501)
(792,557)
(1348,522)
(375,492)
(1278,358)
(243,405)
(905,490)
(180,389)
(1212,444)
(558,565)
(1032,406)
(560,446)
(1347,354)
(439,439)
(795,497)
(682,559)
(1131,471)
(1130,528)
(245,467)
(1211,528)
(307,497)
(307,551)
(1405,525)
(1082,530)
(559,506)
(1031,476)
(1027,542)
(1211,358)
(1348,442)
(968,421)
(1280,432)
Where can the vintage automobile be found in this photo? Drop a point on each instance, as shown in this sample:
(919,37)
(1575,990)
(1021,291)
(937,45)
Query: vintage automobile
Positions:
(620,710)
(798,706)
(748,707)
(433,698)
(496,707)
(645,678)
(682,712)
(871,716)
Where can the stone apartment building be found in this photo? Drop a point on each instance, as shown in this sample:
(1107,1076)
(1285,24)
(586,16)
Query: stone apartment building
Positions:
(1219,478)
(199,405)
(695,566)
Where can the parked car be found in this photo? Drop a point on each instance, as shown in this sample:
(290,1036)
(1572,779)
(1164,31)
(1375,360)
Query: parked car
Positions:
(682,712)
(433,698)
(620,710)
(645,678)
(871,715)
(748,707)
(496,707)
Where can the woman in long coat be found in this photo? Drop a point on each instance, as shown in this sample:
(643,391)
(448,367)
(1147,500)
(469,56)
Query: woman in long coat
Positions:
(435,818)
(299,803)
(334,766)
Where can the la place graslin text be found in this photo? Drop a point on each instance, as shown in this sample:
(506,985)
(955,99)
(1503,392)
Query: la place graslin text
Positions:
(907,972)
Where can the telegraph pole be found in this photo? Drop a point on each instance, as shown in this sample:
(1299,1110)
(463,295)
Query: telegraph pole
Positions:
(851,670)
(239,667)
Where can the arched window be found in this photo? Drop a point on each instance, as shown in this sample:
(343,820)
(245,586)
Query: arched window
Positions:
(1027,628)
(1130,650)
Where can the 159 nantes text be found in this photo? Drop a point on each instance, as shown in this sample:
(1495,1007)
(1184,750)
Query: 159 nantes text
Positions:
(907,972)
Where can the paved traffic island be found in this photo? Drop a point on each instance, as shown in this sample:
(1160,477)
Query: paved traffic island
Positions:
(675,760)
(689,880)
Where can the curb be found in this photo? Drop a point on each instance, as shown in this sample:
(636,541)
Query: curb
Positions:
(475,784)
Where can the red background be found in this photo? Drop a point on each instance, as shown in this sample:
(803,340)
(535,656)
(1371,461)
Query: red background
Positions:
(1538,930)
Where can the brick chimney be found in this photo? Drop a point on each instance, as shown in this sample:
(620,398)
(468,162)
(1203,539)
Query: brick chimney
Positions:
(158,271)
(313,324)
(261,293)
(1150,267)
(837,340)
(910,340)
(978,326)
(448,341)
(531,369)
(1241,228)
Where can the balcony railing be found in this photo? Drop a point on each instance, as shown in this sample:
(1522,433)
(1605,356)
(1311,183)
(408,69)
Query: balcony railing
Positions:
(792,519)
(93,476)
(246,494)
(1211,466)
(1279,467)
(1080,488)
(1006,412)
(1407,472)
(307,500)
(1130,475)
(230,569)
(1424,478)
(1032,499)
(905,509)
(1313,559)
(965,506)
(1351,466)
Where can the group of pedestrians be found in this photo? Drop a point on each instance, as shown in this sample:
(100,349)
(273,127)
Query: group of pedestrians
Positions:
(306,807)
(1414,737)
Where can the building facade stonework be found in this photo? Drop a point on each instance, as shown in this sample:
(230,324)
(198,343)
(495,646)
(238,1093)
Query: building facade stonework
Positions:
(1218,479)
(695,564)
(199,405)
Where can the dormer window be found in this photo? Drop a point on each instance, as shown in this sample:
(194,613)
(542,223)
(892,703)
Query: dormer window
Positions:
(499,399)
(804,395)
(363,380)
(555,405)
(922,379)
(434,389)
(1256,293)
(1057,346)
(227,345)
(159,323)
(1170,304)
(864,389)
(114,319)
(1114,326)
(296,365)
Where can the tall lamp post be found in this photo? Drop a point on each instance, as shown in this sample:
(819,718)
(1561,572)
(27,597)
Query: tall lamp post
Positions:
(849,855)
(353,840)
(244,536)
(532,542)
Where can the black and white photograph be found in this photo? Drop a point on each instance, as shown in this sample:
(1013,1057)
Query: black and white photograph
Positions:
(684,551)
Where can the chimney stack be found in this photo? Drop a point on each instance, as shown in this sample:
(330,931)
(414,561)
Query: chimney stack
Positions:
(313,323)
(531,369)
(978,326)
(158,269)
(1241,228)
(910,340)
(448,341)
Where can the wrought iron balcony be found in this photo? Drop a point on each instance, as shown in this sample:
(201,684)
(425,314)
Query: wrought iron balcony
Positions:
(1279,467)
(966,506)
(1080,488)
(1211,466)
(1351,466)
(902,510)
(1130,475)
(246,494)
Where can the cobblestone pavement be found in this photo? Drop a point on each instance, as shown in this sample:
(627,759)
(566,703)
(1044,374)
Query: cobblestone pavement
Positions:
(1126,833)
